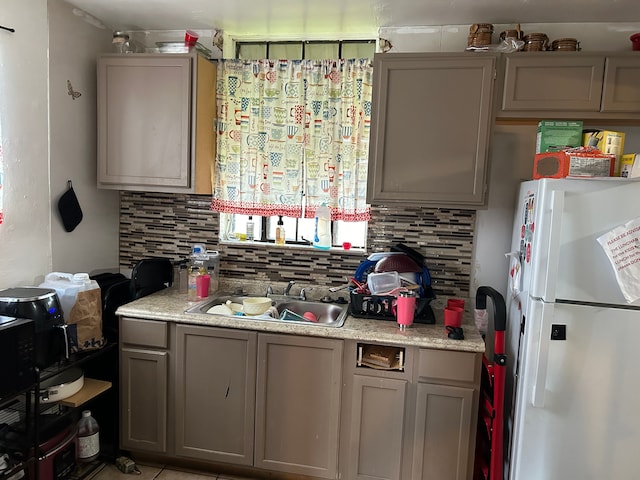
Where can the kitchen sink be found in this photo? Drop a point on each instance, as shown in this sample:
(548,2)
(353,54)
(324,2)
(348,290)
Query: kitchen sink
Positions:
(326,314)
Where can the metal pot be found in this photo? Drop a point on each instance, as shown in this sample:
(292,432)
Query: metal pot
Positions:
(61,386)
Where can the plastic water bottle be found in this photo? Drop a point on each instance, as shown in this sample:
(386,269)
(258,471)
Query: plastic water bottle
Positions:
(250,228)
(192,283)
(322,237)
(88,438)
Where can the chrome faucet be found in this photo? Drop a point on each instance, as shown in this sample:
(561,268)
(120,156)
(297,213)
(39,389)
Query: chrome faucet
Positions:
(287,292)
(288,287)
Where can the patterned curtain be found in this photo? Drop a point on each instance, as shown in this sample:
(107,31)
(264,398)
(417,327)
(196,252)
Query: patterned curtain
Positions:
(1,177)
(292,135)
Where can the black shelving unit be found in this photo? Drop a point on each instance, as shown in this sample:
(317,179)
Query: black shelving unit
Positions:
(25,422)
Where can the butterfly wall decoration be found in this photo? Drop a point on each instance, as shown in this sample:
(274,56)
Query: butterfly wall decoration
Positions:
(72,92)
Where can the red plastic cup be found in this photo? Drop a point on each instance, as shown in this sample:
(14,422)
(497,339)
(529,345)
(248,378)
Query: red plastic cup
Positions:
(453,317)
(346,245)
(190,38)
(455,302)
(202,286)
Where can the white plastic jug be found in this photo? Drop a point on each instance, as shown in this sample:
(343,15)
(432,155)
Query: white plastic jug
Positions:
(67,286)
(81,302)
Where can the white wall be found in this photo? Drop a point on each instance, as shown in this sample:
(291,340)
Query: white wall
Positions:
(45,144)
(74,45)
(25,235)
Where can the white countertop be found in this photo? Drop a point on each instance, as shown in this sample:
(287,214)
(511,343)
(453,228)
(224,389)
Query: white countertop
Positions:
(170,305)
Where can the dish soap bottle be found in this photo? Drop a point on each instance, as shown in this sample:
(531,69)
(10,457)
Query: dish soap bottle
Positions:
(280,231)
(250,229)
(88,438)
(322,237)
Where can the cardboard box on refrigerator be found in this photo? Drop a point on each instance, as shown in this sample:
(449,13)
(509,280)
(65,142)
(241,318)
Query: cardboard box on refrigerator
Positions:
(578,162)
(606,141)
(556,135)
(630,165)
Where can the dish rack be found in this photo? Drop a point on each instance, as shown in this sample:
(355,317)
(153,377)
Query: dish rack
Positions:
(379,307)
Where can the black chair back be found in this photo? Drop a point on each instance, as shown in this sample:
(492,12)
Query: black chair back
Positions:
(150,275)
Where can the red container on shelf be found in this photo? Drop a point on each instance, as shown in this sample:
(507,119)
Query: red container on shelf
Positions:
(635,41)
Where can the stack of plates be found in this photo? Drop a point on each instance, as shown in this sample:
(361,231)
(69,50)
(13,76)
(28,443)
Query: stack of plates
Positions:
(181,47)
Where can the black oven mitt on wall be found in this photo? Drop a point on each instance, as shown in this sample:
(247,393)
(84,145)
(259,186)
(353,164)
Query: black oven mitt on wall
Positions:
(69,208)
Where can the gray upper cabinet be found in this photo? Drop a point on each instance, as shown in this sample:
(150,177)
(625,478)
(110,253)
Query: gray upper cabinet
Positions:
(155,122)
(431,122)
(551,82)
(621,88)
(570,85)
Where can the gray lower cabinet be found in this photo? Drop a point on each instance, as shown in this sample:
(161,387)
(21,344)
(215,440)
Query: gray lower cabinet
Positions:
(215,393)
(431,122)
(448,384)
(144,371)
(298,404)
(442,430)
(413,423)
(231,396)
(376,428)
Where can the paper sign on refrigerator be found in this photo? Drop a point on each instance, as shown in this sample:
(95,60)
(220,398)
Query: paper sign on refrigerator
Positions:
(622,246)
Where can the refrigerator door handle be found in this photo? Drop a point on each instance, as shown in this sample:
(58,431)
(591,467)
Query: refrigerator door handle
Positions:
(542,357)
(557,210)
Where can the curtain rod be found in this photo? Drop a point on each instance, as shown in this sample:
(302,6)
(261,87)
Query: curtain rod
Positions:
(7,28)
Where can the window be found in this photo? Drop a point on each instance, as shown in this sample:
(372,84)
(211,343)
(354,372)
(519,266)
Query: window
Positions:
(314,50)
(233,226)
(298,231)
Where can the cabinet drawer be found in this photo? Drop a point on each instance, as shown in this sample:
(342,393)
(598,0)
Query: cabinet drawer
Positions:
(448,365)
(144,332)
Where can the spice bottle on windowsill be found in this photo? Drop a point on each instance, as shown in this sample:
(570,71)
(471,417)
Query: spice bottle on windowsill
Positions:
(280,231)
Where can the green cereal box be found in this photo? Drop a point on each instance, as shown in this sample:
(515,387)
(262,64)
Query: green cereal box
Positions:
(556,135)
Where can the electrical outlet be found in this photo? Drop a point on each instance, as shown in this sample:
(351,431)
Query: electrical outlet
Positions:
(558,332)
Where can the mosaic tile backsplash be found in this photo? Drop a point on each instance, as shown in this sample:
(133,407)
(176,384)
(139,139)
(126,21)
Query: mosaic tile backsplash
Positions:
(167,225)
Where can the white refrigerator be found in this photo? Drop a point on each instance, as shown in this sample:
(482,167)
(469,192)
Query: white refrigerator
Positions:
(572,397)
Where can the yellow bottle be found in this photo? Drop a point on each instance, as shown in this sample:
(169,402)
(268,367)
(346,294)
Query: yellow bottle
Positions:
(280,231)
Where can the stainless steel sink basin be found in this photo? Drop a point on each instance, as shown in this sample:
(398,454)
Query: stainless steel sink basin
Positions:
(203,307)
(327,314)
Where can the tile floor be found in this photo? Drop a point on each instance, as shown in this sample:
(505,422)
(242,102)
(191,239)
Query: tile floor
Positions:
(147,472)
